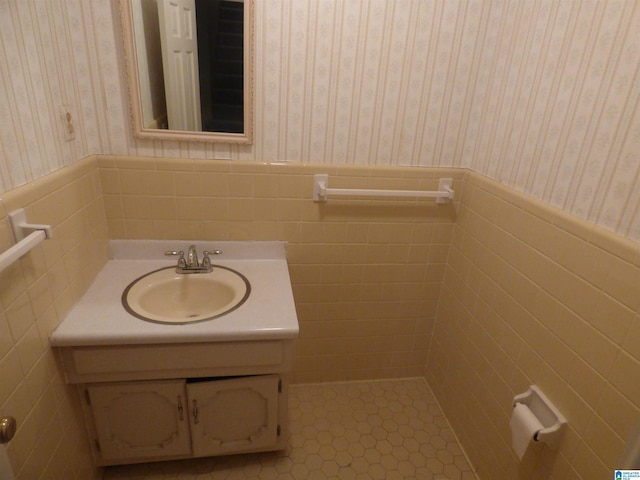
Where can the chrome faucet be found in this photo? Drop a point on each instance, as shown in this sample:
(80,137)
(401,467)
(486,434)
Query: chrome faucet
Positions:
(192,257)
(191,264)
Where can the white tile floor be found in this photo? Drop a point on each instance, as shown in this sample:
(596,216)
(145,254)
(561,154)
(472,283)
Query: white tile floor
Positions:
(391,429)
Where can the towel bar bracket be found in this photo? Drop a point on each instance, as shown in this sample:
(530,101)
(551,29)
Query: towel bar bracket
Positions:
(21,229)
(320,182)
(27,236)
(444,185)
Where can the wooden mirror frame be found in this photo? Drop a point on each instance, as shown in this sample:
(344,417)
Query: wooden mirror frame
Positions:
(133,82)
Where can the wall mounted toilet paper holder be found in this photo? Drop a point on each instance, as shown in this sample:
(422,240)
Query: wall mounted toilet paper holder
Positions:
(549,416)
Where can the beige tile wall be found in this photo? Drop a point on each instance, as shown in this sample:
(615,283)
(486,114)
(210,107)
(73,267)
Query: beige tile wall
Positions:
(35,295)
(366,275)
(532,295)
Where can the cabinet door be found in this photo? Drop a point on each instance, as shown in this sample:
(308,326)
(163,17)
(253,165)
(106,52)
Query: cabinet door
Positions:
(140,419)
(233,415)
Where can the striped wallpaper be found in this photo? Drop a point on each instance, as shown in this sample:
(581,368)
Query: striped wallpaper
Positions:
(540,95)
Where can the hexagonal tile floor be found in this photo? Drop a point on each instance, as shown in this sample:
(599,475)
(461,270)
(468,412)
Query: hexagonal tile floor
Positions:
(390,429)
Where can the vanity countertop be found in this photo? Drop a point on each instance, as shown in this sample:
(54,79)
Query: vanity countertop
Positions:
(99,318)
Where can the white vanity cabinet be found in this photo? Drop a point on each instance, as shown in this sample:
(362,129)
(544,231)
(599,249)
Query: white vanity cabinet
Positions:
(141,421)
(154,391)
(147,403)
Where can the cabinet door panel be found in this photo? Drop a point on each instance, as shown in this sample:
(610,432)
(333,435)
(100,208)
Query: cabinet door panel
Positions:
(141,419)
(233,415)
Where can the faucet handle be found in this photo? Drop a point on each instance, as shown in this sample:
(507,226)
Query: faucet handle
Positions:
(182,263)
(206,261)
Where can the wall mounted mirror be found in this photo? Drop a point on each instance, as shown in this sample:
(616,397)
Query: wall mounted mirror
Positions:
(190,68)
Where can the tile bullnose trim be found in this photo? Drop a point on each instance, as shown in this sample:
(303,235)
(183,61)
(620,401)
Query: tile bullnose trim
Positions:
(30,192)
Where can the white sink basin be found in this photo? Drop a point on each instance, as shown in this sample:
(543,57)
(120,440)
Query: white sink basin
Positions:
(165,296)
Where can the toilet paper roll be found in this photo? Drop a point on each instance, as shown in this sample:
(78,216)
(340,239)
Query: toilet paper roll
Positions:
(524,425)
(6,472)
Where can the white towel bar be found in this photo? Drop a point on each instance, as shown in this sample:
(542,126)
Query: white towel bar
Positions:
(27,236)
(321,191)
(19,249)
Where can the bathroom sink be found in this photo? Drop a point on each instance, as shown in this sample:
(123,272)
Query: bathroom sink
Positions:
(268,313)
(165,296)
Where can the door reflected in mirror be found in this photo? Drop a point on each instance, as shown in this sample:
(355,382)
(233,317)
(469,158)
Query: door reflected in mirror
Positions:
(190,68)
